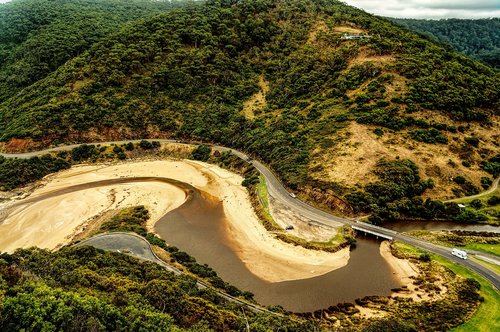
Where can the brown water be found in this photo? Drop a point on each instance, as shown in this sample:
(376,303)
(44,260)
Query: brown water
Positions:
(198,227)
(407,226)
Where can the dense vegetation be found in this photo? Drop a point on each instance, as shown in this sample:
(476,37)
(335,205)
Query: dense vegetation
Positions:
(85,289)
(187,73)
(396,195)
(16,172)
(479,39)
(39,36)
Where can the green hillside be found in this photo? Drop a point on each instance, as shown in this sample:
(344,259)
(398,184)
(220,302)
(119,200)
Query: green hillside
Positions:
(479,39)
(36,37)
(85,289)
(282,81)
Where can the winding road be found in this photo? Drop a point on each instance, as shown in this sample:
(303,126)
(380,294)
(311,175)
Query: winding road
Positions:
(279,192)
(137,246)
(492,188)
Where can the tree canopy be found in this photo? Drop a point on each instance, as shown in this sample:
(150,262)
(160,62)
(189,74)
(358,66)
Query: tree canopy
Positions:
(479,39)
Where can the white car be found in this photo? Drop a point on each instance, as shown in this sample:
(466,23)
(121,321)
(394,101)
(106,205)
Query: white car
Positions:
(292,195)
(459,253)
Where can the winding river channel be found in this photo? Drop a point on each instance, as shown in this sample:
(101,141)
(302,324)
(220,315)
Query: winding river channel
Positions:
(199,227)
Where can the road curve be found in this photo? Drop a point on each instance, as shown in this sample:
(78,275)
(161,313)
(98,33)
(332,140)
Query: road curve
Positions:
(137,246)
(278,191)
(492,188)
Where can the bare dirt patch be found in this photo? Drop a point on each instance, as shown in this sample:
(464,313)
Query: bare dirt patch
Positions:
(367,55)
(352,159)
(348,29)
(319,26)
(303,227)
(15,145)
(258,100)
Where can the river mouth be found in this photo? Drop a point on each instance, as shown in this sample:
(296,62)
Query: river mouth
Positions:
(199,227)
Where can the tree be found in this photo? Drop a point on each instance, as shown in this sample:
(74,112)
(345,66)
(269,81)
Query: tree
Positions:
(202,152)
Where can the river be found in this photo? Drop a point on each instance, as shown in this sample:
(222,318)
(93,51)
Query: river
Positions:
(199,228)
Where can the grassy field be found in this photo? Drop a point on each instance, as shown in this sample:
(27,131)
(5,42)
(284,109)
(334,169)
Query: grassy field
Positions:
(264,202)
(493,249)
(487,317)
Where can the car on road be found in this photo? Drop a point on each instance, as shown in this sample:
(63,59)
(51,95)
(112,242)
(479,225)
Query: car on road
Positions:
(289,227)
(459,253)
(292,195)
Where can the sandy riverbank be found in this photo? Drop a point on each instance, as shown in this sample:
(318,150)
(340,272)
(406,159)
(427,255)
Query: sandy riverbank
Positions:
(53,221)
(406,271)
(402,268)
(266,257)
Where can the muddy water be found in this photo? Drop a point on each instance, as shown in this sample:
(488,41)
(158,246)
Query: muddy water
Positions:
(407,226)
(198,227)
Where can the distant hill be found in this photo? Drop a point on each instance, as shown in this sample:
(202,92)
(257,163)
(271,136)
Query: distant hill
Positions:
(36,37)
(479,39)
(281,80)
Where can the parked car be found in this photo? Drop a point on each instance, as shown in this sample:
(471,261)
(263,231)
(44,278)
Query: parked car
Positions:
(289,227)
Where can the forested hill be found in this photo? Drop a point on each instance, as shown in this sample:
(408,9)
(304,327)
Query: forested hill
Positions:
(479,39)
(36,37)
(321,91)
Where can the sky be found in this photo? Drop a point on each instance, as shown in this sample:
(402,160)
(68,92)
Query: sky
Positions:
(432,9)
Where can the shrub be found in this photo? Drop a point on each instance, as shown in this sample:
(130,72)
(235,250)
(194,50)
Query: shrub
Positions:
(202,152)
(476,204)
(495,200)
(83,152)
(117,149)
(146,145)
(129,146)
(379,132)
(486,182)
(474,141)
(492,165)
(425,257)
(459,179)
(430,136)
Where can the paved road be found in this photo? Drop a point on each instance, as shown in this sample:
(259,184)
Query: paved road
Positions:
(491,189)
(278,191)
(136,246)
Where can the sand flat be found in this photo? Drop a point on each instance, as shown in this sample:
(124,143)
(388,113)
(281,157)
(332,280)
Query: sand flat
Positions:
(268,258)
(52,222)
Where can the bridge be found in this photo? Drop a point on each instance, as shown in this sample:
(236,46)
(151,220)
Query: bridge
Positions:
(372,232)
(281,193)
